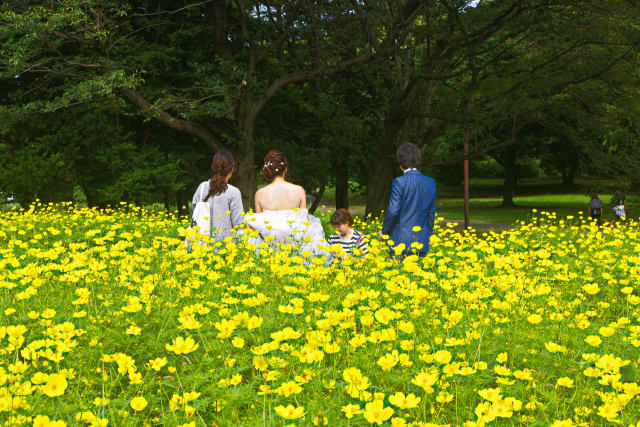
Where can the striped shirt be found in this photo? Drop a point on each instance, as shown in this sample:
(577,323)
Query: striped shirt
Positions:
(356,241)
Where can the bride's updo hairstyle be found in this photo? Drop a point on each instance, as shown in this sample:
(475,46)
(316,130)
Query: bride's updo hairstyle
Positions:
(223,164)
(275,164)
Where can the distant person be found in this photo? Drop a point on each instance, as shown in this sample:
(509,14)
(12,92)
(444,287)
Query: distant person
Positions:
(224,199)
(411,213)
(348,238)
(619,202)
(595,208)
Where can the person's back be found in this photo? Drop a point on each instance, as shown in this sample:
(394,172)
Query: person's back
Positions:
(412,207)
(278,196)
(595,208)
(281,216)
(420,212)
(225,200)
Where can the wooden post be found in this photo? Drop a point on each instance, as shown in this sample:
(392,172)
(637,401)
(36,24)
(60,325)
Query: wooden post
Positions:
(466,178)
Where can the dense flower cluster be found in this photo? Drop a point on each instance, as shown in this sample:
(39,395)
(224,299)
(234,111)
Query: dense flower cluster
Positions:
(107,320)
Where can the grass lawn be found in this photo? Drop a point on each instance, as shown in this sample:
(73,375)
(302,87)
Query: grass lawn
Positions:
(543,194)
(489,209)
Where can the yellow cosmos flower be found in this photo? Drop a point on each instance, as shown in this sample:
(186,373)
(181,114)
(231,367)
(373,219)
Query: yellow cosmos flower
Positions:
(290,412)
(444,397)
(133,330)
(44,421)
(606,331)
(534,319)
(376,413)
(288,388)
(350,410)
(608,411)
(502,357)
(593,340)
(39,378)
(182,345)
(399,248)
(563,423)
(591,288)
(491,394)
(55,386)
(157,364)
(564,382)
(49,313)
(406,327)
(442,356)
(425,380)
(405,402)
(254,322)
(138,403)
(389,360)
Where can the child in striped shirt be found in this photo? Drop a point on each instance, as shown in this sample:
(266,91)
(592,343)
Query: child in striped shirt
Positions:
(348,238)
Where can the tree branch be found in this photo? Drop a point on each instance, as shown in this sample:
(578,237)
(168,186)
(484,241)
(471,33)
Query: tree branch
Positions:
(308,76)
(184,126)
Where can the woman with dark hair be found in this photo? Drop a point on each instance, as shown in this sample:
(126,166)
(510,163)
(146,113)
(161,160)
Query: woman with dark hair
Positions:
(281,209)
(224,199)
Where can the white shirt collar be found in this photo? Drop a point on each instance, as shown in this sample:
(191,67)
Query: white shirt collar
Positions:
(410,169)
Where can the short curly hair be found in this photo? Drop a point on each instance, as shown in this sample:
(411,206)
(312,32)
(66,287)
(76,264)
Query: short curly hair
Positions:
(341,216)
(409,155)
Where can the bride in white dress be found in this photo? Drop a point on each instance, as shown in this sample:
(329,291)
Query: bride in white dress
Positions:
(281,215)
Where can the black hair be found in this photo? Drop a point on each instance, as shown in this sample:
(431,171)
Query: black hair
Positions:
(409,155)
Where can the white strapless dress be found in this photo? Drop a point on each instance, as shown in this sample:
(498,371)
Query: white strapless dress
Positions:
(295,227)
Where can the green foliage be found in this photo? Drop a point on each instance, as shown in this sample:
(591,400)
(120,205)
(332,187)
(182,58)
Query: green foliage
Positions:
(34,171)
(243,77)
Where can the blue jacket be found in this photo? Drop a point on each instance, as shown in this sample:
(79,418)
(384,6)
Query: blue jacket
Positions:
(413,202)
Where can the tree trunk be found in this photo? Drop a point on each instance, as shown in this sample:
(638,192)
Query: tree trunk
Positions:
(183,198)
(245,177)
(573,170)
(383,168)
(511,177)
(342,184)
(165,200)
(317,199)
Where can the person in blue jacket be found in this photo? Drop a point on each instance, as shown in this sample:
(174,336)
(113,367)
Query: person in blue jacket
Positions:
(411,213)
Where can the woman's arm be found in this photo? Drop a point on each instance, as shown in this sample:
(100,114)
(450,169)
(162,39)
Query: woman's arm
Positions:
(236,208)
(196,197)
(303,199)
(257,202)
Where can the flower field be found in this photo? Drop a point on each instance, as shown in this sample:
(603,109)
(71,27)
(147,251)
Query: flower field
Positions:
(107,320)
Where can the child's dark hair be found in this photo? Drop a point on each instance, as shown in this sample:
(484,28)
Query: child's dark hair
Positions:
(341,216)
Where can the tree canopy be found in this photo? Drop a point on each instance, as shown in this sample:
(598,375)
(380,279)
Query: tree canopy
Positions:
(129,99)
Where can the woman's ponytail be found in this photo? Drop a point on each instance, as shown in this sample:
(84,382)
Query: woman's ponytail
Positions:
(223,164)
